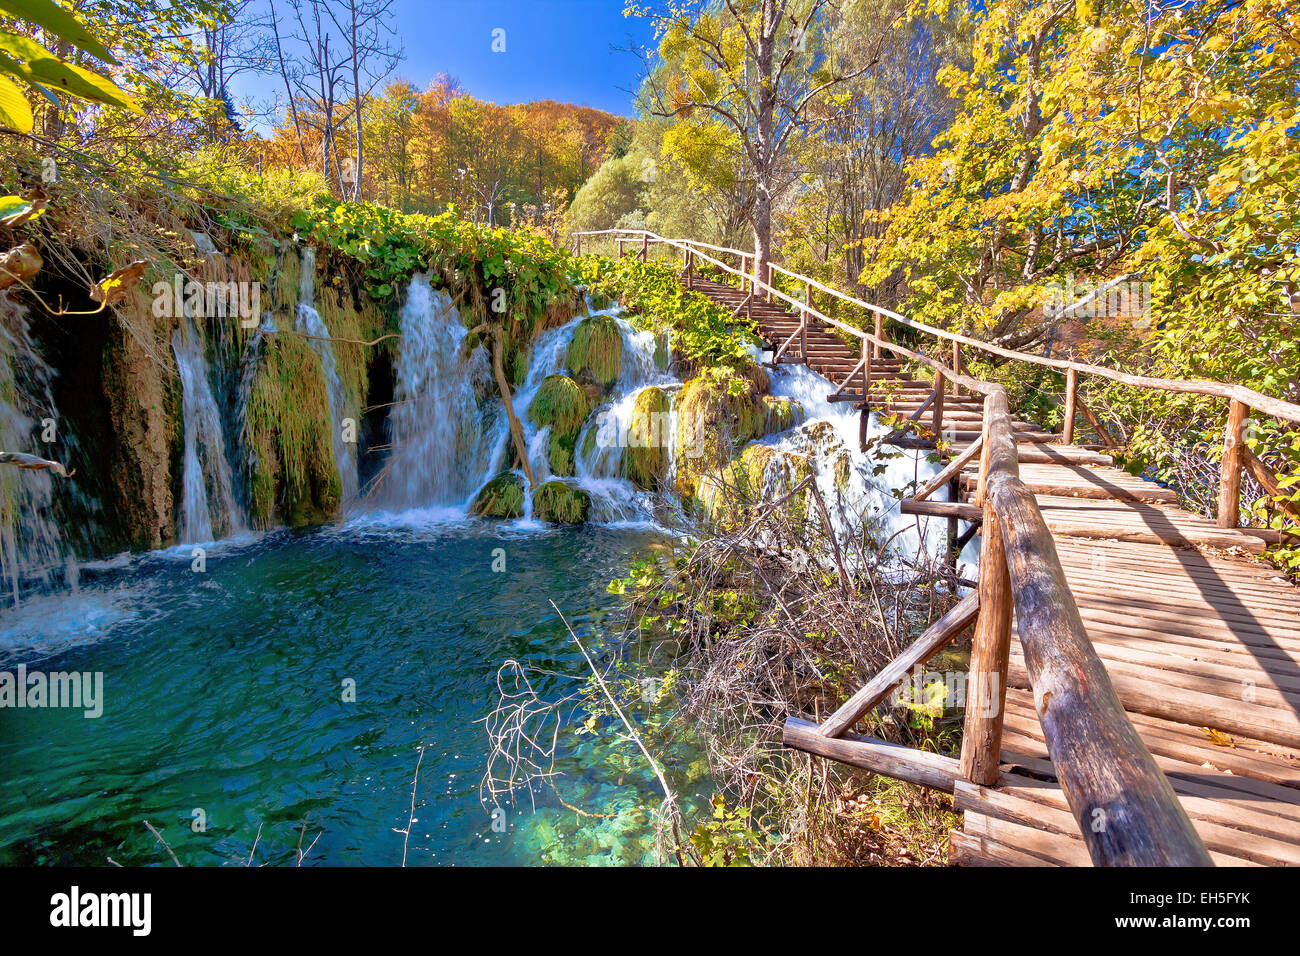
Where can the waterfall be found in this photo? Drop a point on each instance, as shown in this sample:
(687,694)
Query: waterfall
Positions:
(442,442)
(31,548)
(600,468)
(866,496)
(205,463)
(310,323)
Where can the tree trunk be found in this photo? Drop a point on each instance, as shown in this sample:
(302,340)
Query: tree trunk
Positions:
(516,430)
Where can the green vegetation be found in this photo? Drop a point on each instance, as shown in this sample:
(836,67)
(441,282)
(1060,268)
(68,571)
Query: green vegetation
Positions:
(703,333)
(595,353)
(561,503)
(562,406)
(502,497)
(645,460)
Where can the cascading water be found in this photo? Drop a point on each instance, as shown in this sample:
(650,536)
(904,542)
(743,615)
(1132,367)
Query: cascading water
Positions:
(310,323)
(441,442)
(31,548)
(863,492)
(207,484)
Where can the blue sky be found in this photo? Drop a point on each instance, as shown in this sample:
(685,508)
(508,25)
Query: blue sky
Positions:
(555,49)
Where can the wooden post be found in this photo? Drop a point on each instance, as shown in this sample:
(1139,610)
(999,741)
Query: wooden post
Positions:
(880,331)
(767,277)
(578,246)
(690,268)
(645,247)
(939,380)
(865,347)
(954,494)
(1230,468)
(986,687)
(957,367)
(620,248)
(1071,394)
(803,322)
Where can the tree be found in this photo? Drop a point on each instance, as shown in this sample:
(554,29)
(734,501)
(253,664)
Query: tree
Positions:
(755,68)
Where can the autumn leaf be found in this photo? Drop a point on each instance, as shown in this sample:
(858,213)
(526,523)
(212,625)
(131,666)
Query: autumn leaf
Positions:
(116,287)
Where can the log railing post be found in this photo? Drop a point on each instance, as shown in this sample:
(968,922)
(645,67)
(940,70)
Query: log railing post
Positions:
(1230,468)
(986,686)
(1071,400)
(866,371)
(939,380)
(620,248)
(577,248)
(645,247)
(690,269)
(957,367)
(767,278)
(880,331)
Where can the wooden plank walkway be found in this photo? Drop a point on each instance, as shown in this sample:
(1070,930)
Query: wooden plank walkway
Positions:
(1200,638)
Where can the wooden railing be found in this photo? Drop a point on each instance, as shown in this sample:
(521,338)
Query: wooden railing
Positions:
(1126,810)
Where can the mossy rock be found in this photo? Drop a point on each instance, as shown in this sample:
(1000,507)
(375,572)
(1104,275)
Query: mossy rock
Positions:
(782,414)
(559,404)
(663,352)
(560,503)
(562,406)
(759,473)
(645,459)
(717,411)
(596,350)
(502,497)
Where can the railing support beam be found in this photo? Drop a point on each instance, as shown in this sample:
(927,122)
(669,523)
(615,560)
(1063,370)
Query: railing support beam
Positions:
(1230,467)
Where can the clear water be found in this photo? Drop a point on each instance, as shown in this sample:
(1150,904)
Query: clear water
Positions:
(223,692)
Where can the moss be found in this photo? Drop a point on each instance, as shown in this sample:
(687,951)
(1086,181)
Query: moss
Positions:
(645,459)
(559,404)
(782,414)
(663,352)
(562,406)
(759,473)
(561,503)
(596,350)
(502,497)
(287,426)
(717,411)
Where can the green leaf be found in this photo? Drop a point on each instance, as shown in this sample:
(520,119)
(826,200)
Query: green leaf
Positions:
(83,83)
(15,111)
(50,16)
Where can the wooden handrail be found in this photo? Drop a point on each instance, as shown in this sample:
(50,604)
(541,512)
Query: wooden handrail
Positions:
(1125,808)
(1253,399)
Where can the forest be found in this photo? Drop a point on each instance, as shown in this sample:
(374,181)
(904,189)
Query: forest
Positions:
(733,480)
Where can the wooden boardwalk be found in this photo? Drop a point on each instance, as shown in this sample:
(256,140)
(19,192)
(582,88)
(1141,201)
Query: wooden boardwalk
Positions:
(1200,638)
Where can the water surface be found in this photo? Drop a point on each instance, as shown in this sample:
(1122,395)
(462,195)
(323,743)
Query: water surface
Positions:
(224,693)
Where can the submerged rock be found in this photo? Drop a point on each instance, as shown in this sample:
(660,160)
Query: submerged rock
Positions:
(562,406)
(502,497)
(596,350)
(561,503)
